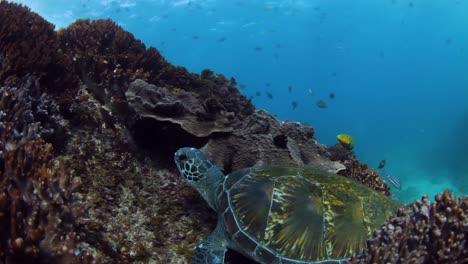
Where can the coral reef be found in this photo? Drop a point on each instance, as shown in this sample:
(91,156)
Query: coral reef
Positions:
(29,46)
(422,232)
(37,208)
(338,152)
(198,116)
(26,114)
(262,139)
(356,170)
(361,172)
(108,58)
(86,171)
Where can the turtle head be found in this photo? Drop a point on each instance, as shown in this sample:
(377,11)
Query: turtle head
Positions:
(200,172)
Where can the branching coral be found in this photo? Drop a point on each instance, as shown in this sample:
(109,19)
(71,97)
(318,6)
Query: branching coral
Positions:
(37,207)
(37,210)
(108,58)
(105,54)
(361,172)
(29,45)
(422,232)
(26,114)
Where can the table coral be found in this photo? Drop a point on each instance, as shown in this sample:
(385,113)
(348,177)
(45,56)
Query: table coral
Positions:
(197,115)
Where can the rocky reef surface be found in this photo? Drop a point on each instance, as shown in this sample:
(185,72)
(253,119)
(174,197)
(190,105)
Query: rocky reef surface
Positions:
(89,121)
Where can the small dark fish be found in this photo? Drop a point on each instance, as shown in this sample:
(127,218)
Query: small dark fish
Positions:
(332,95)
(382,164)
(294,104)
(222,39)
(269,95)
(381,54)
(448,41)
(268,84)
(195,37)
(290,88)
(242,86)
(333,74)
(393,180)
(321,104)
(258,48)
(411,5)
(258,93)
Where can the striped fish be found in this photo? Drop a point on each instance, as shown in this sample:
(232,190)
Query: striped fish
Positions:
(393,180)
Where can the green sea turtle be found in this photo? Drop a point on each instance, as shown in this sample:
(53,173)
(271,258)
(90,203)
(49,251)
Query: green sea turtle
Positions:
(283,214)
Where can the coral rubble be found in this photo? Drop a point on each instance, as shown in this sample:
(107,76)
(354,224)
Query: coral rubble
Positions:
(422,232)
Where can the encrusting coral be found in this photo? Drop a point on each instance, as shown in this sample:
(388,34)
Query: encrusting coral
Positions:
(422,232)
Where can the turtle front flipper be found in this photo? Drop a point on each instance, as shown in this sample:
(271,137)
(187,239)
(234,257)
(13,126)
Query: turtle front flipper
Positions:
(211,250)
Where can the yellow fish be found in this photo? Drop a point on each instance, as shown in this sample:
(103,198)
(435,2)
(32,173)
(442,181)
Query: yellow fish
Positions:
(346,140)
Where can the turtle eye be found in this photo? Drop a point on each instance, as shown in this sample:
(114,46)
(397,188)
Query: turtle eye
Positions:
(183,157)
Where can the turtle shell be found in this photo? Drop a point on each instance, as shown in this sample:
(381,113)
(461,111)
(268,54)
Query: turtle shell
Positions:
(299,215)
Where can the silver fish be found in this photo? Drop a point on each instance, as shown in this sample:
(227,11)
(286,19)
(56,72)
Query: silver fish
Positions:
(394,181)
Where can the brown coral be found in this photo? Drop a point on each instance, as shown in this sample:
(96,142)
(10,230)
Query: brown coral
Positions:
(263,140)
(422,232)
(361,172)
(25,114)
(108,58)
(105,54)
(37,212)
(198,116)
(29,45)
(341,153)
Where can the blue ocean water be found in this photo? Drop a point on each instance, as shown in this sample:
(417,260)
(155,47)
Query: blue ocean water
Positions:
(398,69)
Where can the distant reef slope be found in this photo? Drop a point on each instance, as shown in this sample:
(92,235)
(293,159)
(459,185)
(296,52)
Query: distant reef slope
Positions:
(89,121)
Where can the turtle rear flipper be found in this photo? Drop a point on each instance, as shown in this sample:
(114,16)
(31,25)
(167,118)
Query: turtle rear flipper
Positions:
(211,250)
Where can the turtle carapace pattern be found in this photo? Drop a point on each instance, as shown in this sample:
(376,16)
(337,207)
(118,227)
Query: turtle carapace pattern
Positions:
(283,214)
